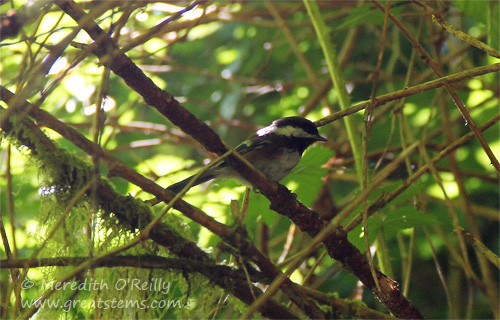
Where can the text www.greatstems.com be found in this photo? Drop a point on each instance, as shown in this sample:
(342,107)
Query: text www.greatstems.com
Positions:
(100,303)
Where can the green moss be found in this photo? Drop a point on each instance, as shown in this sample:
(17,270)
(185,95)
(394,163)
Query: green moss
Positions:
(354,307)
(130,213)
(63,173)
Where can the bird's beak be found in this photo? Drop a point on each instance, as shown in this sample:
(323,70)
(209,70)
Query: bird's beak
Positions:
(320,138)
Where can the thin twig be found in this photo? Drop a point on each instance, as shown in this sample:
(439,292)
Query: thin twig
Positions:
(406,92)
(439,20)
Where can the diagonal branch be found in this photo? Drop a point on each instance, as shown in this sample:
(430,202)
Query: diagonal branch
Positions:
(406,92)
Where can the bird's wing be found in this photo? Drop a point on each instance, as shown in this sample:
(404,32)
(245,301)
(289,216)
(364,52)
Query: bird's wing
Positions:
(246,148)
(251,145)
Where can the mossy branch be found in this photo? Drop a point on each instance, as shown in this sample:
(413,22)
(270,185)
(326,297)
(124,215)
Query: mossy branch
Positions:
(130,212)
(207,269)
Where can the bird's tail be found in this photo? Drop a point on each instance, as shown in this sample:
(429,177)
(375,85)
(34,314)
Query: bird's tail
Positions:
(177,187)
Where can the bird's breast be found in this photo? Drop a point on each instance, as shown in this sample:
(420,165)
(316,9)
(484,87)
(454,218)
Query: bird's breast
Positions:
(279,165)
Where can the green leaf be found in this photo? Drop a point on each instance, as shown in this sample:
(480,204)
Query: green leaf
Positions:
(258,207)
(406,217)
(356,236)
(305,180)
(391,222)
(410,192)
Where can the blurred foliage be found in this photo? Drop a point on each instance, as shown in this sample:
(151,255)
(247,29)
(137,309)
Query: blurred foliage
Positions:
(238,67)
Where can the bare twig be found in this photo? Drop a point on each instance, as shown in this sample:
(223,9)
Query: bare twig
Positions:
(479,247)
(406,92)
(439,20)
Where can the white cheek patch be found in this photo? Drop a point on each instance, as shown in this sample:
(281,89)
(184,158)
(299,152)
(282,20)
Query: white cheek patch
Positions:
(263,131)
(289,131)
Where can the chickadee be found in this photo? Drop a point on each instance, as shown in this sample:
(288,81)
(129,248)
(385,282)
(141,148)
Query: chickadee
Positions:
(275,150)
